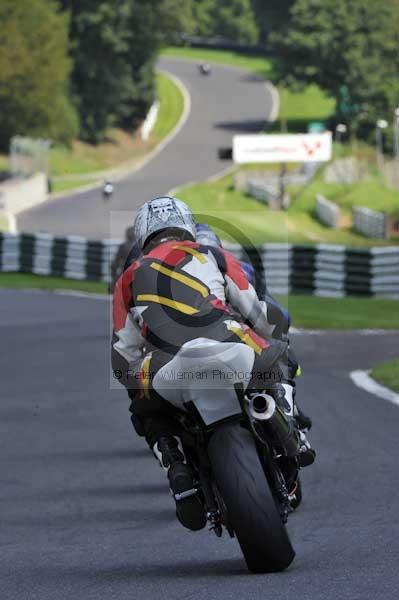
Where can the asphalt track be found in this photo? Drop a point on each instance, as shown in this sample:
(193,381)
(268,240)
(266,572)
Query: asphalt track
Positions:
(85,509)
(227,102)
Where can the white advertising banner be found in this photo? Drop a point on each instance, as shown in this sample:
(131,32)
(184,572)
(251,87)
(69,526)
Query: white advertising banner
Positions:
(306,147)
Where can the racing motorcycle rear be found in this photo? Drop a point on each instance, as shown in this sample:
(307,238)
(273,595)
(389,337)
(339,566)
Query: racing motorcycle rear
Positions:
(244,450)
(247,467)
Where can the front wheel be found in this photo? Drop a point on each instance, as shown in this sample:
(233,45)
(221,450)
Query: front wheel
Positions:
(250,505)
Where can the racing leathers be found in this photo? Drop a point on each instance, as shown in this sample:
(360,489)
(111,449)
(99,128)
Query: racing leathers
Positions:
(180,292)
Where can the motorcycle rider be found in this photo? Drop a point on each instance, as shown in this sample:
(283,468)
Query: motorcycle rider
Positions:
(278,316)
(174,294)
(204,68)
(108,190)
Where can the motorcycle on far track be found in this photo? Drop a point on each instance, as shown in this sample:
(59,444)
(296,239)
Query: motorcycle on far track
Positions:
(204,69)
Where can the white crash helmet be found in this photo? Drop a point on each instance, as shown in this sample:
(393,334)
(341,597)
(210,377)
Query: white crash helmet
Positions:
(160,214)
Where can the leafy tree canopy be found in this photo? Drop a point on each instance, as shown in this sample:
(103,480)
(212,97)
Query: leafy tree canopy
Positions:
(114,45)
(230,19)
(349,48)
(34,70)
(272,16)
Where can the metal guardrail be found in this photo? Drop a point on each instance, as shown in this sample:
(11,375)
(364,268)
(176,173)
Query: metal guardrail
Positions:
(323,269)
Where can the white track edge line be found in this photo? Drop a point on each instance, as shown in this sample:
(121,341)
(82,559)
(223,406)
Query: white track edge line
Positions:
(363,380)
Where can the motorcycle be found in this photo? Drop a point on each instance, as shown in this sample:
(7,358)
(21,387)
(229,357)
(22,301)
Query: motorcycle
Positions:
(245,454)
(204,69)
(108,190)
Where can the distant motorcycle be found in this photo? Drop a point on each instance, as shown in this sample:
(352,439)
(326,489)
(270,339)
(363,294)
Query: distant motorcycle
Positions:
(204,69)
(108,190)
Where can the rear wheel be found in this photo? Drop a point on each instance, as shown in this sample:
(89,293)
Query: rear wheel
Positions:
(251,508)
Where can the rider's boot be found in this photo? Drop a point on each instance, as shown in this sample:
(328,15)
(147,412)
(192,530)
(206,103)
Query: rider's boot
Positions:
(284,395)
(189,510)
(304,422)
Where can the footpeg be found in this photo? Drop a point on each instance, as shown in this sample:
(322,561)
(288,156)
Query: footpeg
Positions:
(186,494)
(306,453)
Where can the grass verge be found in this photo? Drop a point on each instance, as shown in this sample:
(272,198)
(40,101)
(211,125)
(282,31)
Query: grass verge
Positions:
(388,374)
(29,281)
(170,109)
(297,109)
(82,164)
(4,226)
(257,64)
(308,312)
(219,204)
(77,166)
(371,190)
(311,312)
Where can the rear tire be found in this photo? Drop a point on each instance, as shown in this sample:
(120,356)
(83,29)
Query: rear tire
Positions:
(251,507)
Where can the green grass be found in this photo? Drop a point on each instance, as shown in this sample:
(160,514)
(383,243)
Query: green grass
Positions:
(3,223)
(27,280)
(306,311)
(371,192)
(388,374)
(82,164)
(66,185)
(219,204)
(258,64)
(311,312)
(171,107)
(4,163)
(77,166)
(297,108)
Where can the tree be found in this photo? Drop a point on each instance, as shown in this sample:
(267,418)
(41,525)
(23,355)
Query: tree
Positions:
(146,29)
(177,19)
(34,70)
(349,48)
(271,16)
(235,20)
(230,19)
(114,47)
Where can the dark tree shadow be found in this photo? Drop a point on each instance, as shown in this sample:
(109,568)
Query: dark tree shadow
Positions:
(252,78)
(247,126)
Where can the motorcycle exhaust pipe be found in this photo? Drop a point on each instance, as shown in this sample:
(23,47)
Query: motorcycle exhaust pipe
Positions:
(274,423)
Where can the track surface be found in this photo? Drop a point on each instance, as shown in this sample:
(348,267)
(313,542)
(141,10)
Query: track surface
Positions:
(85,510)
(227,102)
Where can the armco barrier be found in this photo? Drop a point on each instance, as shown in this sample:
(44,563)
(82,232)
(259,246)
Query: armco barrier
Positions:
(323,269)
(70,257)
